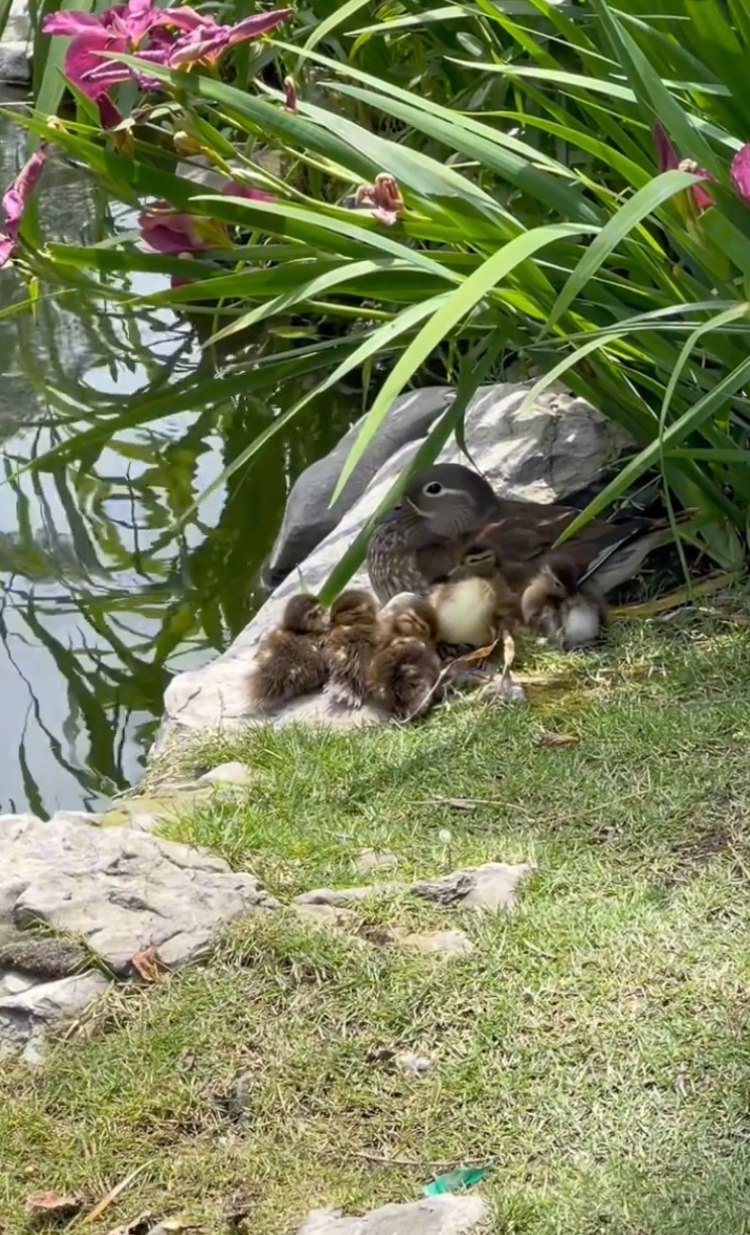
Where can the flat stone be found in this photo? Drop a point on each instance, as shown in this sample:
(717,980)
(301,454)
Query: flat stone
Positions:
(15,46)
(324,915)
(12,982)
(556,447)
(374,859)
(234,773)
(337,897)
(119,890)
(492,886)
(439,1215)
(78,816)
(436,943)
(25,1015)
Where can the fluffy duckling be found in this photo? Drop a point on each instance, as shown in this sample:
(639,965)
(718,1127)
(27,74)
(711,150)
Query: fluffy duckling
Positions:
(475,602)
(289,661)
(405,669)
(350,645)
(568,613)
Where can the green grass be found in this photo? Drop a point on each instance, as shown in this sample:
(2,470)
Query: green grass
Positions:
(594,1048)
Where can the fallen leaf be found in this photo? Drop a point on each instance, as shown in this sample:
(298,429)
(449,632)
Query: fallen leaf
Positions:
(148,965)
(51,1205)
(142,1225)
(549,739)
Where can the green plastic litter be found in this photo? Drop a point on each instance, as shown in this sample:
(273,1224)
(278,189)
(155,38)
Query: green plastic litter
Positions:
(456,1181)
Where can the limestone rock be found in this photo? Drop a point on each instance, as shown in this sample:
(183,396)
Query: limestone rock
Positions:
(556,447)
(78,816)
(25,1015)
(436,943)
(374,859)
(338,897)
(492,886)
(234,773)
(439,1215)
(120,890)
(15,45)
(324,915)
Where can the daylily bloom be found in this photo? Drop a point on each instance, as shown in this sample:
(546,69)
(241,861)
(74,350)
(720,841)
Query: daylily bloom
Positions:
(667,159)
(740,172)
(169,231)
(15,200)
(383,198)
(118,29)
(207,42)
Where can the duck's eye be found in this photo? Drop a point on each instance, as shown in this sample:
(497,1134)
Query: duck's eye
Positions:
(433,489)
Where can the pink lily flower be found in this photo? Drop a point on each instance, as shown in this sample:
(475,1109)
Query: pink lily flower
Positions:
(667,159)
(174,232)
(15,200)
(207,42)
(118,29)
(740,172)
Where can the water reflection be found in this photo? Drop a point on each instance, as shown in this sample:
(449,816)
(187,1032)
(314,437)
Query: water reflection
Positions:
(100,602)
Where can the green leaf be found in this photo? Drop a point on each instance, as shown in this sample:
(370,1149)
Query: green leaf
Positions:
(640,205)
(458,305)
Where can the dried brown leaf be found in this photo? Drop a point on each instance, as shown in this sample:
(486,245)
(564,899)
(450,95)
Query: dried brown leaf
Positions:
(148,965)
(52,1206)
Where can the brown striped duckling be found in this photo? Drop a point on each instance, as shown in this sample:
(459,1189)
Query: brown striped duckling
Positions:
(289,661)
(405,669)
(570,614)
(349,646)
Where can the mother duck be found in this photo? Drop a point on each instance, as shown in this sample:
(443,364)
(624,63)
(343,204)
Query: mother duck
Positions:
(448,506)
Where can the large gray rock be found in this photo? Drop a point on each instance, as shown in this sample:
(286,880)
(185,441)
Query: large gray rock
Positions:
(15,46)
(27,1013)
(440,1215)
(119,890)
(556,447)
(309,515)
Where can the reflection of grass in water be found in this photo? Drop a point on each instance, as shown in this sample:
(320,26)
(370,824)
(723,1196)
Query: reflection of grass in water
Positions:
(88,525)
(593,1047)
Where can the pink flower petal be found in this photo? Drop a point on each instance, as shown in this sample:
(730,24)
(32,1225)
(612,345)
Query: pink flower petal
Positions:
(208,43)
(172,232)
(71,22)
(666,155)
(109,115)
(183,18)
(16,197)
(740,172)
(235,189)
(7,249)
(83,60)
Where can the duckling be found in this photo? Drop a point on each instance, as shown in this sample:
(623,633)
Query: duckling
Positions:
(475,602)
(349,646)
(569,613)
(405,669)
(290,659)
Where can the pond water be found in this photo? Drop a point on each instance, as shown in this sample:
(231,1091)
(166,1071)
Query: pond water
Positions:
(102,600)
